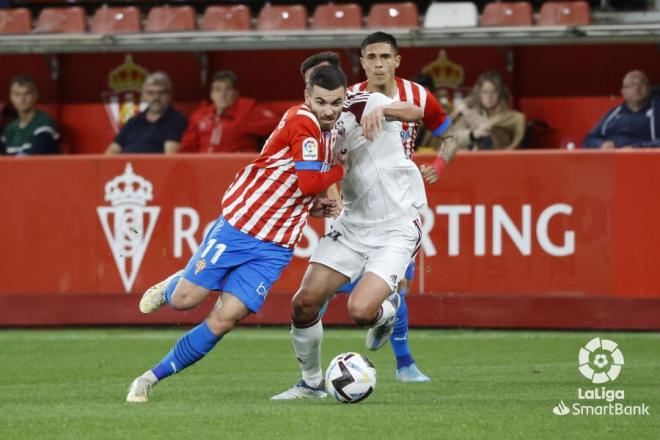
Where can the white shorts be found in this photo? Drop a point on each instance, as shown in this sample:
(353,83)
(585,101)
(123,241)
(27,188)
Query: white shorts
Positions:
(385,252)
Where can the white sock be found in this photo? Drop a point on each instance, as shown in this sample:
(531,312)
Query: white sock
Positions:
(307,345)
(387,310)
(151,377)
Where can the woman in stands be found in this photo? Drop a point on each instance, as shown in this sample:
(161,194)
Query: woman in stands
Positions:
(485,120)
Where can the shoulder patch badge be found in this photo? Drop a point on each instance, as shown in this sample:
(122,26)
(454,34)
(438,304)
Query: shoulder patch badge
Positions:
(310,149)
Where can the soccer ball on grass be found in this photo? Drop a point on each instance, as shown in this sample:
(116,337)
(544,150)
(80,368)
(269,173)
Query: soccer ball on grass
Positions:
(350,378)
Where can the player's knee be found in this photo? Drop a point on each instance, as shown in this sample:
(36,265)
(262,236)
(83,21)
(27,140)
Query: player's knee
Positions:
(220,325)
(304,305)
(181,299)
(362,313)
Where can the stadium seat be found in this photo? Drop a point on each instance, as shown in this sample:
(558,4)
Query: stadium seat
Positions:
(282,17)
(226,18)
(344,16)
(62,21)
(507,14)
(453,14)
(171,19)
(564,14)
(393,15)
(124,20)
(15,21)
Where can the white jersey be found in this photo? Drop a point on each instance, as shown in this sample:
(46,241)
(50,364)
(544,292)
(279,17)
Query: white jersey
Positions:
(382,186)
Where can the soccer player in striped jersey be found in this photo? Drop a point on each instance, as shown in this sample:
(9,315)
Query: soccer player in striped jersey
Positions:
(380,58)
(264,211)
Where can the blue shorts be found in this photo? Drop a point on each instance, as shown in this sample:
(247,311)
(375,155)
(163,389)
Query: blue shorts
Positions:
(348,287)
(232,261)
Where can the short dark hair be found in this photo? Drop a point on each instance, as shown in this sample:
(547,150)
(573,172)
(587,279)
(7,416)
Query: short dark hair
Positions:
(225,75)
(379,37)
(23,80)
(327,77)
(322,57)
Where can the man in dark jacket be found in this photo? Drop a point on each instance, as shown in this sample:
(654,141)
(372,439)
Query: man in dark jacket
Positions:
(634,123)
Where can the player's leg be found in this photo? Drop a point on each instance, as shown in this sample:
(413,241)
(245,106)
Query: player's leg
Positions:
(247,268)
(406,368)
(318,285)
(192,346)
(390,262)
(177,290)
(332,265)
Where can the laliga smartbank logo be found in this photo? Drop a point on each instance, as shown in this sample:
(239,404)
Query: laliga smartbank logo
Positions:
(600,361)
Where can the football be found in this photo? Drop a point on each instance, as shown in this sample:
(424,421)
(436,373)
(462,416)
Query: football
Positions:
(350,378)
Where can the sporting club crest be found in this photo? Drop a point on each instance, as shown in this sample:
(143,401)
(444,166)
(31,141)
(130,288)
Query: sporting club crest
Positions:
(128,222)
(124,99)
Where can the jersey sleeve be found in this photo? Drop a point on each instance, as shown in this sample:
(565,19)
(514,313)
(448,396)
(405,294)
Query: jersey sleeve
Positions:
(310,155)
(376,100)
(305,137)
(436,120)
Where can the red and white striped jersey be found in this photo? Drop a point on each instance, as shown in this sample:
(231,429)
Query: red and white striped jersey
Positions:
(265,200)
(435,118)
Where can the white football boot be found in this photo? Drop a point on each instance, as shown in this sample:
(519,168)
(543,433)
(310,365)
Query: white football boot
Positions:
(139,391)
(302,391)
(154,298)
(378,336)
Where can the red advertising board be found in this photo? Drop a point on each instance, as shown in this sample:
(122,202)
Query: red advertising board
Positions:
(539,239)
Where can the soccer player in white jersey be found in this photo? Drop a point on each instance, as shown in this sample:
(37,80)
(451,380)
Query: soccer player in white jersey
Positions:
(380,58)
(375,236)
(264,211)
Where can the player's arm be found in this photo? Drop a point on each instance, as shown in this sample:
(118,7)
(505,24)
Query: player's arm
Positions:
(372,122)
(438,122)
(308,152)
(327,203)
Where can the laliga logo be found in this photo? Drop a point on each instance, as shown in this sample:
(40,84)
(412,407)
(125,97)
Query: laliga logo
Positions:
(600,360)
(124,221)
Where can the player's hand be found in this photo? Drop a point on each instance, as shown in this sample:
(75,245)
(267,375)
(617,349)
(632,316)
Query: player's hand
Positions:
(607,145)
(325,207)
(372,123)
(428,173)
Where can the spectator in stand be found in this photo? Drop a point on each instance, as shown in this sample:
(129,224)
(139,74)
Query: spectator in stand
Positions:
(229,122)
(159,128)
(634,123)
(33,131)
(484,120)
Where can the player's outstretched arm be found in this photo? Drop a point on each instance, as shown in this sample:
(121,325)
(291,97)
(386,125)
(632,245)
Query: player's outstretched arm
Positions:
(372,122)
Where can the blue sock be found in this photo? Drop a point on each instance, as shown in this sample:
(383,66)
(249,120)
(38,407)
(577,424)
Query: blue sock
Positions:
(399,338)
(169,291)
(193,346)
(324,308)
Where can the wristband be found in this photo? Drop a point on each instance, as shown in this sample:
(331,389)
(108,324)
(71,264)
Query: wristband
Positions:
(439,164)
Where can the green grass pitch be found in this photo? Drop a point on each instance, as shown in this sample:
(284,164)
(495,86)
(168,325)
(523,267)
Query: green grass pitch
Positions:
(71,384)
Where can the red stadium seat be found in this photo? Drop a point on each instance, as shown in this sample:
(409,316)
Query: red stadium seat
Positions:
(393,15)
(226,18)
(15,21)
(344,16)
(62,21)
(124,20)
(282,17)
(507,14)
(564,14)
(171,19)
